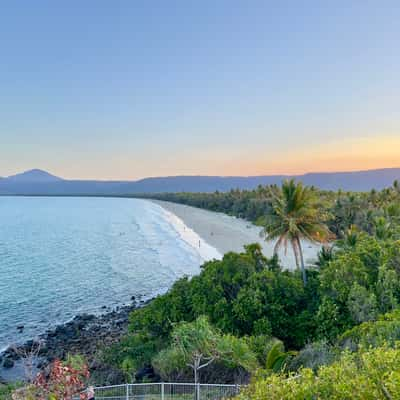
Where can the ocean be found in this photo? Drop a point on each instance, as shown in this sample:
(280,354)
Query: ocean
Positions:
(61,256)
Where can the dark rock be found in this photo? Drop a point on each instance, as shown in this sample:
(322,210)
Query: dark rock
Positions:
(120,321)
(85,334)
(8,363)
(85,317)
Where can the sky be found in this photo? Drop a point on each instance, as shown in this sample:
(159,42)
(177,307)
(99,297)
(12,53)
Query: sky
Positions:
(128,89)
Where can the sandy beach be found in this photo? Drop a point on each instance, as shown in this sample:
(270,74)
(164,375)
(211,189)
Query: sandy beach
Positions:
(226,233)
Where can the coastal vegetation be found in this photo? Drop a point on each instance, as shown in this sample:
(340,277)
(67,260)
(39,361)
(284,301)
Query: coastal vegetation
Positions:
(61,380)
(342,211)
(310,335)
(245,319)
(365,374)
(251,297)
(197,345)
(6,390)
(295,216)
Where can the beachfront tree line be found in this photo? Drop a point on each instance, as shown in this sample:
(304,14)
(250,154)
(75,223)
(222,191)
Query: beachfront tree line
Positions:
(339,210)
(287,321)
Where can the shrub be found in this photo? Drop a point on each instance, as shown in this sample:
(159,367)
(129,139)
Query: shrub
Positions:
(365,375)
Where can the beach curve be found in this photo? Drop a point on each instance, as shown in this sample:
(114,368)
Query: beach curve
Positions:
(226,233)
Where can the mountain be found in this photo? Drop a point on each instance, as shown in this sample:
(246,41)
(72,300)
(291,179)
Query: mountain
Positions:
(34,175)
(38,182)
(353,181)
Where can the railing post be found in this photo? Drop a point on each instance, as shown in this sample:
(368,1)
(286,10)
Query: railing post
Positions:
(162,391)
(198,391)
(127,391)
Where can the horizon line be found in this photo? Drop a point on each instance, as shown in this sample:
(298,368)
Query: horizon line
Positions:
(205,176)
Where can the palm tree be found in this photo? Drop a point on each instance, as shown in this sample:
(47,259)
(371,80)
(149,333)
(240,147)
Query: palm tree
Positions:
(396,186)
(295,215)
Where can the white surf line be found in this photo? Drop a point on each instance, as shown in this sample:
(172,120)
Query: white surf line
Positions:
(188,235)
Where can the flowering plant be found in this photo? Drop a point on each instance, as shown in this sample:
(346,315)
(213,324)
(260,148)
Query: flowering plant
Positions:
(63,381)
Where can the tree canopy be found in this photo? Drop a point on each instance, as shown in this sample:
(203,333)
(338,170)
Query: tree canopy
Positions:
(302,337)
(197,344)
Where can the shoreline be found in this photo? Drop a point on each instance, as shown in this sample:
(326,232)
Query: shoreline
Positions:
(216,234)
(227,233)
(207,251)
(221,231)
(85,334)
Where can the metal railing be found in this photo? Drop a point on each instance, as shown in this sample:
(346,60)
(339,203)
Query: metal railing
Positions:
(166,391)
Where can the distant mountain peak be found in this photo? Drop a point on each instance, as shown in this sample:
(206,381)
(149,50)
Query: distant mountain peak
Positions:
(34,175)
(39,182)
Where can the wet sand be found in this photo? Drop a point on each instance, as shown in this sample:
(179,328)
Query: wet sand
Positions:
(227,233)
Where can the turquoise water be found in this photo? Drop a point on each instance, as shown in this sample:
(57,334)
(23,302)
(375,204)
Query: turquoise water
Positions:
(63,256)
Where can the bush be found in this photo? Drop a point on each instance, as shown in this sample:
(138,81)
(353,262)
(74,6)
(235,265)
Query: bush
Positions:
(368,374)
(374,333)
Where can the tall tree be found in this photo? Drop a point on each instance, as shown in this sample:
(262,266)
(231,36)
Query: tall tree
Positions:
(295,215)
(197,344)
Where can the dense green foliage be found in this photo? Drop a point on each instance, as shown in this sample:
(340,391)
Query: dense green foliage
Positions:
(197,345)
(7,390)
(366,374)
(386,330)
(351,300)
(221,292)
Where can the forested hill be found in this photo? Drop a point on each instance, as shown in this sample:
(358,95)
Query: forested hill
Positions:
(37,182)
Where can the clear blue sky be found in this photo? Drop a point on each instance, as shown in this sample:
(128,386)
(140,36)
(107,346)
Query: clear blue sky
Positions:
(127,89)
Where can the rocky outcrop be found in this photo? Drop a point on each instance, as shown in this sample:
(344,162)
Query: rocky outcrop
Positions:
(86,334)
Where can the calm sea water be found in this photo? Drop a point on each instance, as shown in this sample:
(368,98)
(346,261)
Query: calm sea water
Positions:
(64,256)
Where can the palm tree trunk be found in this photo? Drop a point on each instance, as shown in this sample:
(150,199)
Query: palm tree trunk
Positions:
(278,245)
(296,253)
(303,268)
